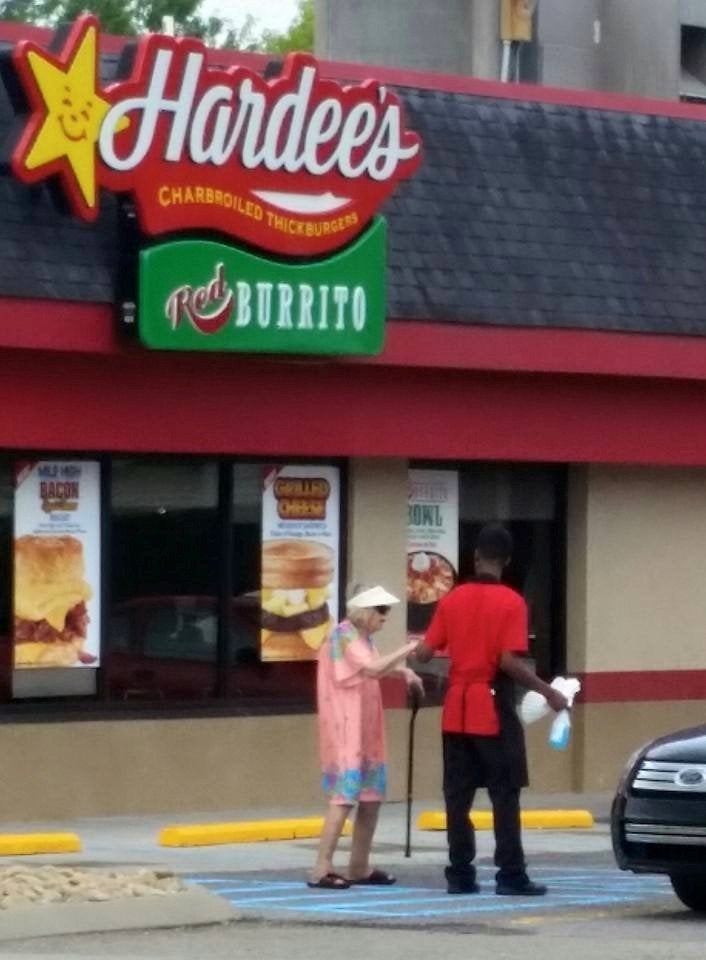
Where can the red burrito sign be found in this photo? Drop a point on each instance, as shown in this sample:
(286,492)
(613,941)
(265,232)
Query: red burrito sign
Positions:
(296,165)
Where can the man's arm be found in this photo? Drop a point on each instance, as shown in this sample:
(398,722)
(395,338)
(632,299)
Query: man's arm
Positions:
(513,666)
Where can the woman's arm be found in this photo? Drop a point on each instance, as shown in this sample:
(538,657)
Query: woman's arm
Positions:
(412,679)
(388,662)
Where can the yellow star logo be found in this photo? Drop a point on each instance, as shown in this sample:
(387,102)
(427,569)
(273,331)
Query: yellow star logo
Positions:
(73,113)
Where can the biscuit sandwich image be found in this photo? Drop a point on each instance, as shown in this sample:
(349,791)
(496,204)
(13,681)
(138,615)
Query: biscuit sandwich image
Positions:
(296,586)
(50,601)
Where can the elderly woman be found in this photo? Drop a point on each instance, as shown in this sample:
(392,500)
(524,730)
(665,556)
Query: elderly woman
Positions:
(352,736)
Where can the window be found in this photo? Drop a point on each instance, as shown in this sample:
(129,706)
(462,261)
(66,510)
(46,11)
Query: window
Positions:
(164,580)
(6,497)
(528,500)
(292,507)
(692,76)
(187,613)
(170,569)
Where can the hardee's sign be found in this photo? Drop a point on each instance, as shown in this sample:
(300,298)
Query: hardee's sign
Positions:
(295,165)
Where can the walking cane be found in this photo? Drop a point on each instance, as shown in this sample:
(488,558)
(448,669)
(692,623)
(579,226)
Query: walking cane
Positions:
(414,704)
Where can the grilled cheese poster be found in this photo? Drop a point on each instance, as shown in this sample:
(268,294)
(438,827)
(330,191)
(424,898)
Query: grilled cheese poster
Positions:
(300,546)
(57,564)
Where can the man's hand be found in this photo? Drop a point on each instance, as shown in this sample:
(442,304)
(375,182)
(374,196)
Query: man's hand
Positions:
(556,700)
(423,653)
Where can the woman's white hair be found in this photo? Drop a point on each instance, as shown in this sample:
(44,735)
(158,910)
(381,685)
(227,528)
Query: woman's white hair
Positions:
(358,616)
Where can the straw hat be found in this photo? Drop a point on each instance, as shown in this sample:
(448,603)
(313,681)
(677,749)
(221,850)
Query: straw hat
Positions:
(373,597)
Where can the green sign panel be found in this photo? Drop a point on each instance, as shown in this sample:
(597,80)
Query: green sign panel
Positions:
(200,295)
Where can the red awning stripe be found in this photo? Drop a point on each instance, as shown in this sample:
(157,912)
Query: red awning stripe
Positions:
(638,686)
(92,328)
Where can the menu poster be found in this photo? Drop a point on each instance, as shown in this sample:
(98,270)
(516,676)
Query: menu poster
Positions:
(300,560)
(57,564)
(432,543)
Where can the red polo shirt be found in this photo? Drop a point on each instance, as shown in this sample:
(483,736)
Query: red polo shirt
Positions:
(474,624)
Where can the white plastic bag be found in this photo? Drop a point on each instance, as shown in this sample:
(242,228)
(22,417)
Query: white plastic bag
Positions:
(569,686)
(534,706)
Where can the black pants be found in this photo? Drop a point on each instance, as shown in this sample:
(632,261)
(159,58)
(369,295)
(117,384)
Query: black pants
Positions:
(471,761)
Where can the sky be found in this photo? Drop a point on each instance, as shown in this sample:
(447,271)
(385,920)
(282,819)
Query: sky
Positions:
(269,14)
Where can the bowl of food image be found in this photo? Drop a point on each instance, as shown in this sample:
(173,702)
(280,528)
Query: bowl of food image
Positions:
(296,581)
(429,576)
(51,594)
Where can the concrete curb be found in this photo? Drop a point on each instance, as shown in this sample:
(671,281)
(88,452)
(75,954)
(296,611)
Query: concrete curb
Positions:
(531,820)
(24,844)
(194,907)
(246,831)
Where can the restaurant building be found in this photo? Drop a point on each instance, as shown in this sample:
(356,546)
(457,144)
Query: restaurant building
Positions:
(218,406)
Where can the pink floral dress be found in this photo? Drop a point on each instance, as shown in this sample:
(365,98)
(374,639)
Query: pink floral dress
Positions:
(351,720)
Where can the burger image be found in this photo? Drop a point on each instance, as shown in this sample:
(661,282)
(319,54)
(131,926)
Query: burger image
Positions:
(296,586)
(50,602)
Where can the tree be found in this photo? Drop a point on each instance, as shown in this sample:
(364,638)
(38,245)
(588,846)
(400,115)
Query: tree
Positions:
(218,32)
(124,17)
(299,36)
(131,17)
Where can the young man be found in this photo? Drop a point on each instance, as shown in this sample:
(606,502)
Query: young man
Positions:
(482,626)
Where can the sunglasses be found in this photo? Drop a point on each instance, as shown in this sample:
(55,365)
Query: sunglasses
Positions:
(382,609)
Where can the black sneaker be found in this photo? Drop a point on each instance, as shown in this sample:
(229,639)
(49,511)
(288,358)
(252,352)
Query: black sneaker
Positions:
(527,889)
(461,887)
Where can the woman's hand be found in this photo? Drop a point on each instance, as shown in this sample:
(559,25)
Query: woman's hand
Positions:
(413,681)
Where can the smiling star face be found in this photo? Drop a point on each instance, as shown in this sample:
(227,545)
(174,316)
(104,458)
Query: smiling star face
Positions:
(74,112)
(68,112)
(76,115)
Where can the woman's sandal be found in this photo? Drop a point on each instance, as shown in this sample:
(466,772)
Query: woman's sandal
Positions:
(329,881)
(378,878)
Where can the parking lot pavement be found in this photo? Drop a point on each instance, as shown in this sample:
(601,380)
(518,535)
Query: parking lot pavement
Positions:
(419,898)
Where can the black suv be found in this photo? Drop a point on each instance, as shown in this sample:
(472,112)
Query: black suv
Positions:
(658,820)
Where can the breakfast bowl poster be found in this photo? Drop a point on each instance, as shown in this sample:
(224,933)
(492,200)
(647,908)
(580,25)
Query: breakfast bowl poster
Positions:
(56,553)
(432,543)
(300,560)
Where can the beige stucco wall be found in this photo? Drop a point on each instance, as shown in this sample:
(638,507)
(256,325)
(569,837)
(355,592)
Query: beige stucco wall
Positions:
(225,765)
(636,562)
(95,768)
(635,601)
(211,765)
(176,766)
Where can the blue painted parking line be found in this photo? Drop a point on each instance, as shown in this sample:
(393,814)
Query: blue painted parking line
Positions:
(580,888)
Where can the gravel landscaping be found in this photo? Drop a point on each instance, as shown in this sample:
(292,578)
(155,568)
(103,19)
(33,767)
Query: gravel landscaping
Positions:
(21,886)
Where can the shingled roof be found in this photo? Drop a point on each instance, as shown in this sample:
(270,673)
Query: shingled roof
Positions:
(538,214)
(524,213)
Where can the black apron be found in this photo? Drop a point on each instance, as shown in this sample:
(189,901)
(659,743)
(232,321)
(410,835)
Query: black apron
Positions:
(512,734)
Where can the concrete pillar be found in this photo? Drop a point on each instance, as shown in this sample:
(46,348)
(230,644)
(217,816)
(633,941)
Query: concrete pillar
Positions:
(484,39)
(412,34)
(377,534)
